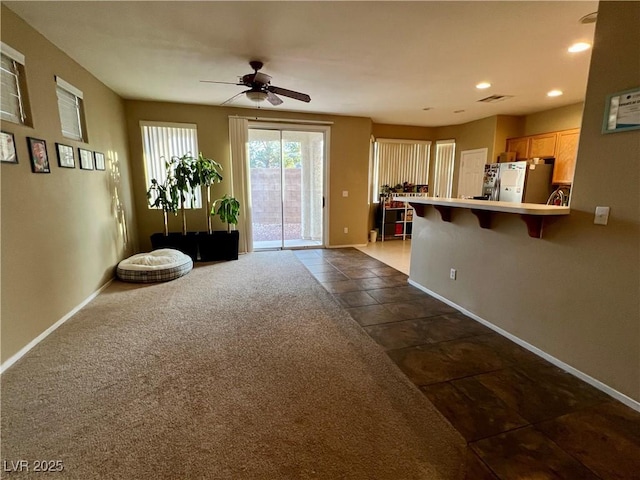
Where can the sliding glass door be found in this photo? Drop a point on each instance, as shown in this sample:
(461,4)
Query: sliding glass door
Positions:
(287,187)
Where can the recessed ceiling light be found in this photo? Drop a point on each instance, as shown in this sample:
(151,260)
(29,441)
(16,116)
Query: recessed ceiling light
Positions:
(579,47)
(554,93)
(483,85)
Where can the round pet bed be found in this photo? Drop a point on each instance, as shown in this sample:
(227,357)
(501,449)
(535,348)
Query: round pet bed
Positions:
(158,266)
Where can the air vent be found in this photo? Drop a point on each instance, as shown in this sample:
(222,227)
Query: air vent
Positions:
(495,98)
(591,18)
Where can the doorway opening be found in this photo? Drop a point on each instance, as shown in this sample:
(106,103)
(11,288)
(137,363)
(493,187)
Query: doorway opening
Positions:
(287,175)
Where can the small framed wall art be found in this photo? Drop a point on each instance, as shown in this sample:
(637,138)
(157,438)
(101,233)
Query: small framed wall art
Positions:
(86,159)
(99,157)
(38,154)
(8,148)
(65,156)
(622,111)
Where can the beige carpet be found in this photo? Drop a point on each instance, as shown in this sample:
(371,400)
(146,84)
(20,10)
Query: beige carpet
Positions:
(239,370)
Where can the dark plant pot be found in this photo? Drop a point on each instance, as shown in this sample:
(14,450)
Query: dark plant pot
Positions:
(160,240)
(187,244)
(220,245)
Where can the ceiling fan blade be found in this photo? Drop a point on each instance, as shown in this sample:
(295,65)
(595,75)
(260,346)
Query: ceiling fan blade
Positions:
(303,97)
(273,99)
(225,83)
(229,100)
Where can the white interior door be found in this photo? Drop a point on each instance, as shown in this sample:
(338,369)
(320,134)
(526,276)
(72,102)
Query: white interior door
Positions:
(472,164)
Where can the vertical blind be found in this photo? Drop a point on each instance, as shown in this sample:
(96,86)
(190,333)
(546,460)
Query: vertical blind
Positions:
(161,142)
(443,168)
(11,102)
(398,161)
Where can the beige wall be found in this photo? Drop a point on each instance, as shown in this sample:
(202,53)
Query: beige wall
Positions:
(402,132)
(63,232)
(469,136)
(348,164)
(507,126)
(574,293)
(562,118)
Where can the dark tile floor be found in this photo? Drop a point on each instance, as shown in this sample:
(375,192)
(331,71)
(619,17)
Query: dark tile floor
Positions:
(523,418)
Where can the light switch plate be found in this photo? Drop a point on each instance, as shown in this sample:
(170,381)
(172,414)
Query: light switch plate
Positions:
(602,216)
(345,193)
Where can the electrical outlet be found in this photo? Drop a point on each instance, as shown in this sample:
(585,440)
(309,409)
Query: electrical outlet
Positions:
(453,273)
(346,229)
(345,193)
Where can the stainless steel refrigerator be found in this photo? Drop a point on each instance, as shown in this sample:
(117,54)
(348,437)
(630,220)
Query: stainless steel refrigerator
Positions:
(490,183)
(524,182)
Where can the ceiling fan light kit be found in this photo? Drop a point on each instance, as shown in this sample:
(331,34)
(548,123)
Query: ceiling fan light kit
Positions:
(257,97)
(260,88)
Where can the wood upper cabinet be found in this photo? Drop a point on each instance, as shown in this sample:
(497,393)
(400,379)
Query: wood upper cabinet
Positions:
(566,154)
(562,145)
(543,145)
(519,145)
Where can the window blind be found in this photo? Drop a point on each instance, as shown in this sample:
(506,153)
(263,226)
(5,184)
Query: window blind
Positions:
(69,109)
(443,168)
(161,142)
(398,161)
(11,102)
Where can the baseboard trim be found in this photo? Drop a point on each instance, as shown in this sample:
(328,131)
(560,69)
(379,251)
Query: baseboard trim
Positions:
(628,401)
(10,361)
(347,246)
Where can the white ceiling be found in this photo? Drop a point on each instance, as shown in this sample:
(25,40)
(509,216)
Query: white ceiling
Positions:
(383,60)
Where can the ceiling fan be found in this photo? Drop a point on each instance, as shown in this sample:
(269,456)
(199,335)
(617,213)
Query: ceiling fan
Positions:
(260,87)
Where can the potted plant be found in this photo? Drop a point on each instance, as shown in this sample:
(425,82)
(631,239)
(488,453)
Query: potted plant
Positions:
(186,181)
(385,191)
(225,243)
(207,171)
(228,210)
(164,196)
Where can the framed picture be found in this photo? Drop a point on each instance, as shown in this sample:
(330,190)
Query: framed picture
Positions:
(99,157)
(86,159)
(8,148)
(39,157)
(622,111)
(65,156)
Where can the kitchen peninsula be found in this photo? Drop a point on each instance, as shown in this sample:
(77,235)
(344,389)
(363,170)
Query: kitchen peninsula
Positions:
(532,214)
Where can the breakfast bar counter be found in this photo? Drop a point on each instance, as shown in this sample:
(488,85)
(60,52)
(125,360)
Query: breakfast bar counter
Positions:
(532,214)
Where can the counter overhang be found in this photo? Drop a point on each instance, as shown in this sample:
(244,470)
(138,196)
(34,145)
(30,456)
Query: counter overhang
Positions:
(532,214)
